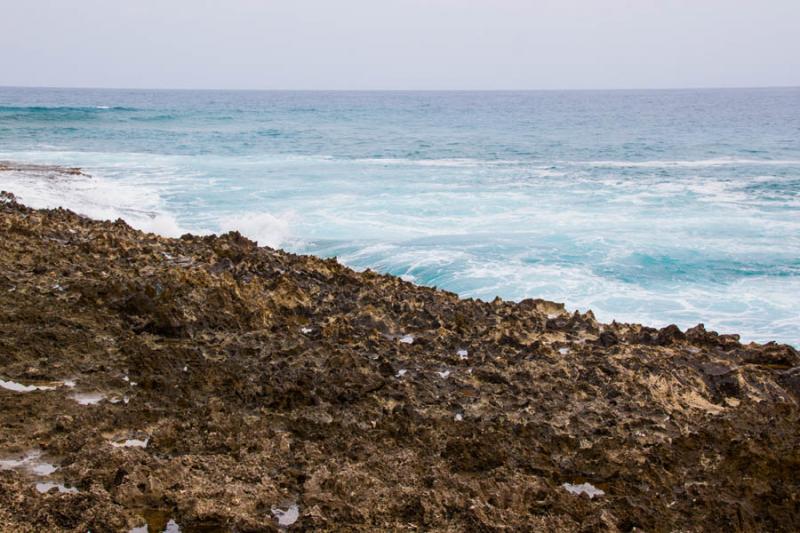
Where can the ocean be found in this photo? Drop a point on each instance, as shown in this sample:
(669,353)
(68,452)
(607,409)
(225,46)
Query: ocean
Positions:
(659,207)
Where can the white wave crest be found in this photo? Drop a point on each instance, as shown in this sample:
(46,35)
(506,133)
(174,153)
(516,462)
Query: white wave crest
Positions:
(462,162)
(265,228)
(687,163)
(95,197)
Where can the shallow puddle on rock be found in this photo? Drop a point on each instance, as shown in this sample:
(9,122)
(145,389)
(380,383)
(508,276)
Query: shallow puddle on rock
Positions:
(583,488)
(30,462)
(19,387)
(89,398)
(157,521)
(161,521)
(43,469)
(47,486)
(130,443)
(10,464)
(286,517)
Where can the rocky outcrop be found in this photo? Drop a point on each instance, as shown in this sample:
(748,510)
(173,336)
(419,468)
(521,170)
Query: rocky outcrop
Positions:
(230,387)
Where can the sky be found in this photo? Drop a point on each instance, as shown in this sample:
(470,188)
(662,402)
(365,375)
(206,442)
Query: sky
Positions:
(400,44)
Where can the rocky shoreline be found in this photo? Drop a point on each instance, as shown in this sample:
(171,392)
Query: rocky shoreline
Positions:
(208,384)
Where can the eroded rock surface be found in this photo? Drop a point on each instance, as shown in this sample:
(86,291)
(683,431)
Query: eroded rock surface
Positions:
(259,390)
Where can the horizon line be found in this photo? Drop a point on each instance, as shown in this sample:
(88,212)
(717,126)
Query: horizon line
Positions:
(212,89)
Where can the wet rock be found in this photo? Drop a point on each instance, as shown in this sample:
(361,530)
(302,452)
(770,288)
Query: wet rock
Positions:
(607,339)
(669,335)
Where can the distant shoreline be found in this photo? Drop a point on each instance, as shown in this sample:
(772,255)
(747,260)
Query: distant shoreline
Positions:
(439,90)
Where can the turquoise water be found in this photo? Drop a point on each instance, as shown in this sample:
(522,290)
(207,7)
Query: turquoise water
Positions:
(649,206)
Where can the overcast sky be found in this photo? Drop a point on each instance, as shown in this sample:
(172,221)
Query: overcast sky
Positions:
(400,44)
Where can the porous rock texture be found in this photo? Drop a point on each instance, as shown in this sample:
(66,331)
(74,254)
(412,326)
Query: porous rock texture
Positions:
(248,380)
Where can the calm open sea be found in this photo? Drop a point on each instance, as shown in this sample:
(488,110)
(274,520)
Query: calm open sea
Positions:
(650,206)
